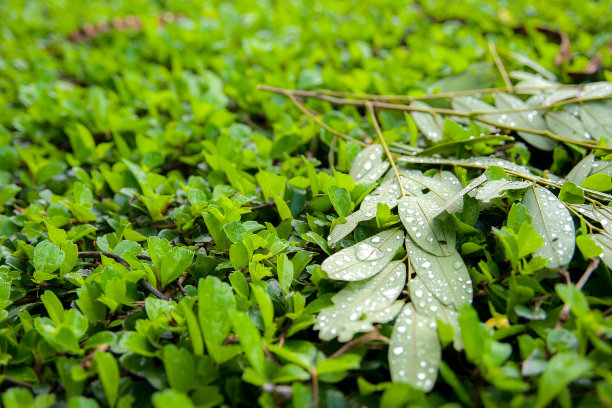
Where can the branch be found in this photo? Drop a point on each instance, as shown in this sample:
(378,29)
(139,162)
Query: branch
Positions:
(372,115)
(564,313)
(117,258)
(476,115)
(366,338)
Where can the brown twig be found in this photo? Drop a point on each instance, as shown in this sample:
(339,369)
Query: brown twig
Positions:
(14,381)
(564,313)
(500,66)
(117,258)
(366,338)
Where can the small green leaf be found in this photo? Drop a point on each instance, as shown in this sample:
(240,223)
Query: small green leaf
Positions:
(560,371)
(47,257)
(108,372)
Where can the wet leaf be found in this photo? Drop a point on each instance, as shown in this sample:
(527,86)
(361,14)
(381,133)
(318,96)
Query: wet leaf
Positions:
(497,188)
(368,165)
(431,125)
(361,304)
(445,276)
(364,259)
(414,349)
(553,223)
(567,125)
(582,170)
(597,120)
(436,235)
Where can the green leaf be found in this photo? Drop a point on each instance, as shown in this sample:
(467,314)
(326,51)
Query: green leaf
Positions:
(567,125)
(430,125)
(54,307)
(365,258)
(180,368)
(497,188)
(414,349)
(560,371)
(171,398)
(445,276)
(524,118)
(341,200)
(47,257)
(553,223)
(361,304)
(588,247)
(216,304)
(368,165)
(597,119)
(598,182)
(108,372)
(435,235)
(571,193)
(284,268)
(582,170)
(250,340)
(572,296)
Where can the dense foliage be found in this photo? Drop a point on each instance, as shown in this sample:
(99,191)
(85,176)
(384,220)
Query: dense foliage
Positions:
(172,234)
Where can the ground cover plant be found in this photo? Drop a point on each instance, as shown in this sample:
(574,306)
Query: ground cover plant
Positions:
(305,204)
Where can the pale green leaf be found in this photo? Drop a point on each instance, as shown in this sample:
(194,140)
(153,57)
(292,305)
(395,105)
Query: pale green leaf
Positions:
(567,125)
(368,165)
(529,119)
(427,304)
(582,170)
(361,304)
(597,119)
(436,235)
(497,188)
(365,258)
(414,349)
(431,125)
(445,276)
(553,222)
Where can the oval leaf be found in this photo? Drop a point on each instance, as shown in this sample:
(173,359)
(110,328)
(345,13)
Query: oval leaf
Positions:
(414,349)
(365,258)
(360,304)
(553,223)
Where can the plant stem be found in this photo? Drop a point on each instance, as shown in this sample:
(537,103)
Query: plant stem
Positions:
(372,115)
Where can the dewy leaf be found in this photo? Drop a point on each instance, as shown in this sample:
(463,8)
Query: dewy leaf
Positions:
(438,235)
(529,119)
(414,349)
(605,243)
(497,188)
(597,119)
(416,183)
(388,193)
(562,369)
(365,258)
(426,303)
(446,277)
(368,165)
(429,124)
(361,304)
(553,222)
(567,125)
(582,170)
(47,257)
(602,166)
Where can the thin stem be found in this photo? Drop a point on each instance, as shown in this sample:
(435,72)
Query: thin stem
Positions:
(407,108)
(366,338)
(117,258)
(372,115)
(445,95)
(564,313)
(319,122)
(500,65)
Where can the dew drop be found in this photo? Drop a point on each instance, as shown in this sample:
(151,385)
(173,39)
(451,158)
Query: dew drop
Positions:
(398,350)
(365,251)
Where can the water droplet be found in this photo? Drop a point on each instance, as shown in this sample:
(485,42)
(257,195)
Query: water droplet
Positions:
(367,252)
(376,239)
(458,264)
(398,350)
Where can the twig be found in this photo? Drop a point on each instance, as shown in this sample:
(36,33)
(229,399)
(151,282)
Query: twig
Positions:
(564,313)
(476,115)
(315,385)
(15,381)
(117,258)
(372,115)
(366,338)
(500,65)
(319,122)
